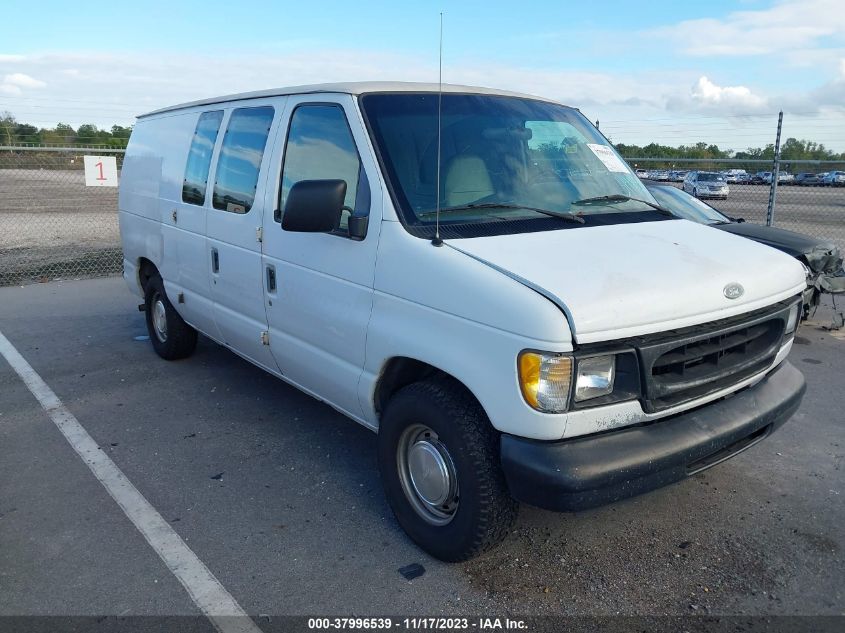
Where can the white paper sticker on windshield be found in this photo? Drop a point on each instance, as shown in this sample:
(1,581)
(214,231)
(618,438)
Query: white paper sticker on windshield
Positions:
(608,157)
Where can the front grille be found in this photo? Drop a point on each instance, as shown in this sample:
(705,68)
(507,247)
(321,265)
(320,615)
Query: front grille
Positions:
(694,363)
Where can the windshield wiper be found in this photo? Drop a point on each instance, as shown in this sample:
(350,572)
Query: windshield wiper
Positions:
(618,197)
(570,217)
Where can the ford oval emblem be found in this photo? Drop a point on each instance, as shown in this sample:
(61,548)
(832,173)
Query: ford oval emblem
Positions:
(734,290)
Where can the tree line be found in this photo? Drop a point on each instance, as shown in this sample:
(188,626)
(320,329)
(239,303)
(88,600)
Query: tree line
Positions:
(13,132)
(791,149)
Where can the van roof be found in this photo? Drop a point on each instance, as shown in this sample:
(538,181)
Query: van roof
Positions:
(352,88)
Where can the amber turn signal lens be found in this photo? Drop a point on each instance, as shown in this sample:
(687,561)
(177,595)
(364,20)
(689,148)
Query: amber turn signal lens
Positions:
(544,379)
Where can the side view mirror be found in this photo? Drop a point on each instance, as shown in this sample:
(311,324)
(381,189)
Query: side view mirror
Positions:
(314,206)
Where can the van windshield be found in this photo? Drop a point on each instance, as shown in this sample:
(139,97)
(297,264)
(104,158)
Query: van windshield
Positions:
(507,165)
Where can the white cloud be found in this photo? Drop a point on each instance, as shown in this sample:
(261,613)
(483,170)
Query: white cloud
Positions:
(22,81)
(110,89)
(14,83)
(830,96)
(789,25)
(136,83)
(706,92)
(707,97)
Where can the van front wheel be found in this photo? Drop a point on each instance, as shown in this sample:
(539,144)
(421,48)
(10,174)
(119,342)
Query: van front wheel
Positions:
(171,337)
(439,462)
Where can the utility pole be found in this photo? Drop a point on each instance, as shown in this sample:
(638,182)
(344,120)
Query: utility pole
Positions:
(773,190)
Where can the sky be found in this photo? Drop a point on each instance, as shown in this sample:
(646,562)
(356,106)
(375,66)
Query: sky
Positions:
(668,72)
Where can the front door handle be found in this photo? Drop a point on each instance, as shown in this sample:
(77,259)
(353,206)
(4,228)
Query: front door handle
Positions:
(215,261)
(271,278)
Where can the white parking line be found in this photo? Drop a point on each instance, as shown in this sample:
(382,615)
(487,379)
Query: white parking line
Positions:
(204,589)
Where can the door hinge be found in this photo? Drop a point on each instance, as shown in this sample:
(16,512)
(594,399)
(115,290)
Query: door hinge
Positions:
(265,337)
(259,234)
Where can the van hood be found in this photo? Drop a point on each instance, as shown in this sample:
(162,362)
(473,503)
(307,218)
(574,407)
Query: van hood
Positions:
(631,279)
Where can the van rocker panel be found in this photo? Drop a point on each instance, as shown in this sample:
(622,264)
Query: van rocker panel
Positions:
(587,472)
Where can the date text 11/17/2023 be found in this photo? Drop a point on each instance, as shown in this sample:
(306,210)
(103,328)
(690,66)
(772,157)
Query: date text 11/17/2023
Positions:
(417,624)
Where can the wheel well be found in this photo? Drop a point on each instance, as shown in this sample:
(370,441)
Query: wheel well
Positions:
(400,372)
(146,270)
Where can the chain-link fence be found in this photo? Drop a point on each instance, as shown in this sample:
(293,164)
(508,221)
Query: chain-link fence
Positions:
(809,196)
(54,227)
(51,225)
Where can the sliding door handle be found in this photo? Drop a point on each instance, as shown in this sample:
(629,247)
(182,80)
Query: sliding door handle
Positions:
(215,260)
(271,278)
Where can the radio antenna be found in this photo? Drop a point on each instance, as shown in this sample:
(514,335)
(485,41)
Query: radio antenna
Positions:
(437,241)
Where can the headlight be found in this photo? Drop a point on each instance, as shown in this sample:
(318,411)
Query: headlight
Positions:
(595,377)
(792,320)
(544,379)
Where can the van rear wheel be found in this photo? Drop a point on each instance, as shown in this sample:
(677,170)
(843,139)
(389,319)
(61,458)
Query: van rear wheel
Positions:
(171,337)
(439,462)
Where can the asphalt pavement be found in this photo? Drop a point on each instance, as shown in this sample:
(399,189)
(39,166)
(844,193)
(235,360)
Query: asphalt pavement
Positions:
(279,495)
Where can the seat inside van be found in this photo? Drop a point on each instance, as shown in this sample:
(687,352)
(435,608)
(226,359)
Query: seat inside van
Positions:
(466,180)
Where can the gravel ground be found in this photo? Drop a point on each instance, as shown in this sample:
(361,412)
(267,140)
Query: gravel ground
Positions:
(53,226)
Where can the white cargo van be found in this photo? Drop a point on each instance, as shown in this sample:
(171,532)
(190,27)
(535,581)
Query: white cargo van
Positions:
(548,336)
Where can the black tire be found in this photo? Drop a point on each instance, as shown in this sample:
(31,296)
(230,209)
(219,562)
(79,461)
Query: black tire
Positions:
(178,340)
(485,511)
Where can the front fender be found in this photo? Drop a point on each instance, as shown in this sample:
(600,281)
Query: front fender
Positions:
(481,357)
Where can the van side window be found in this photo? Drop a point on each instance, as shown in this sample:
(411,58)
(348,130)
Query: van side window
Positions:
(320,147)
(240,159)
(199,157)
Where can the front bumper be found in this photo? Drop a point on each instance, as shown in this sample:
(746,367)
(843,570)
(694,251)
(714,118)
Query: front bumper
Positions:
(591,471)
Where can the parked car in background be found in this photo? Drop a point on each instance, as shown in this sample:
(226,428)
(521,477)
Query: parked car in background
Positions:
(834,179)
(641,173)
(661,175)
(785,178)
(706,184)
(733,175)
(761,178)
(743,178)
(678,175)
(807,179)
(822,260)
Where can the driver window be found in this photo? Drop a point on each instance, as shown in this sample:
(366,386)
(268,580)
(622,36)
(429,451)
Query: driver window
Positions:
(320,147)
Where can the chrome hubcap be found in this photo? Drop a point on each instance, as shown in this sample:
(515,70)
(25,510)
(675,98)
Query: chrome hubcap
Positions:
(160,319)
(427,474)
